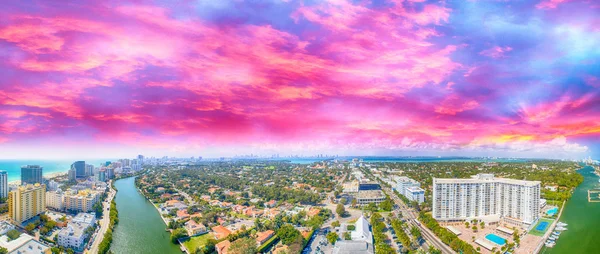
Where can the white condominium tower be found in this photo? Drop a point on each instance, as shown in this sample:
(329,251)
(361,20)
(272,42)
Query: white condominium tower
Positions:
(483,195)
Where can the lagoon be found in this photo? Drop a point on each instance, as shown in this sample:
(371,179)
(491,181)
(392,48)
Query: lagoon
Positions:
(140,228)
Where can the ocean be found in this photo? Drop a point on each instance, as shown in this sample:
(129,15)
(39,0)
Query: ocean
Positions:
(13,167)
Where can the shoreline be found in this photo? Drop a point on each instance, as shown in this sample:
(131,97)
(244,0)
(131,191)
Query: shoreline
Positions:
(47,176)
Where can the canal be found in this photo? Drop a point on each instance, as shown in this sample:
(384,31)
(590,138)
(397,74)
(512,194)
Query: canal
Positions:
(140,228)
(583,217)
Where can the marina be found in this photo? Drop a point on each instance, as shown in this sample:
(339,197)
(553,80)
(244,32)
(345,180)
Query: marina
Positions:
(579,221)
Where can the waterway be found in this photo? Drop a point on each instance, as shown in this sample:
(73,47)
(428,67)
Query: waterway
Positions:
(583,217)
(140,228)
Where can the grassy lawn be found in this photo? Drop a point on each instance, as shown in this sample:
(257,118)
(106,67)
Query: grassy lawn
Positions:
(197,241)
(541,233)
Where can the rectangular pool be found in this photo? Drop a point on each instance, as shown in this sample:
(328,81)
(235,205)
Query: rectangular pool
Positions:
(496,239)
(542,226)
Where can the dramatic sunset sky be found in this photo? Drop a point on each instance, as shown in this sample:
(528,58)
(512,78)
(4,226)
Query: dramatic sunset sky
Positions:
(349,77)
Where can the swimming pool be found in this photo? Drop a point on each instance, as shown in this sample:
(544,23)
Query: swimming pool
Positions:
(552,211)
(542,226)
(496,239)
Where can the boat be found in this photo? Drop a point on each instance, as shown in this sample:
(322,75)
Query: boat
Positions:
(553,238)
(562,224)
(560,228)
(555,233)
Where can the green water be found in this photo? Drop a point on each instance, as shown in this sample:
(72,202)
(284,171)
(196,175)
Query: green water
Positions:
(140,229)
(583,217)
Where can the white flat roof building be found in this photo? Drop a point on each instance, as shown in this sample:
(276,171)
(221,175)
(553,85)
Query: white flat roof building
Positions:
(484,195)
(415,194)
(25,244)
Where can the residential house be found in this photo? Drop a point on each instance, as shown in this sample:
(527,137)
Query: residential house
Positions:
(223,247)
(194,228)
(220,232)
(263,237)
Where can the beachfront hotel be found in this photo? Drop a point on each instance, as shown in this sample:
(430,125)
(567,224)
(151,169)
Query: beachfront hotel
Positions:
(486,197)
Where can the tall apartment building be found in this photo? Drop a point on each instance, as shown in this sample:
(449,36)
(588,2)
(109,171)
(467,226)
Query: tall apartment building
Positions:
(26,202)
(516,201)
(31,174)
(55,200)
(3,184)
(82,201)
(89,169)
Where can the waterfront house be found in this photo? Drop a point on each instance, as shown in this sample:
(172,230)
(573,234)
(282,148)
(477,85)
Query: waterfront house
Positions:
(193,228)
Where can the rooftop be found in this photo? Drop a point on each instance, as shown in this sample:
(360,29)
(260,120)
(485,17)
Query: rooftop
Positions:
(25,244)
(486,178)
(371,194)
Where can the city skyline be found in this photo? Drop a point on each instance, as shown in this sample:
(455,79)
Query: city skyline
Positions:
(115,79)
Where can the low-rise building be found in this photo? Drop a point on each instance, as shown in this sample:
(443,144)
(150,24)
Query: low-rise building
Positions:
(73,236)
(223,247)
(263,237)
(370,196)
(415,194)
(221,232)
(25,244)
(194,228)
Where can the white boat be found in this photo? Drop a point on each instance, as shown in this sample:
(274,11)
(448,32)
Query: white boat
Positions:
(561,224)
(552,238)
(560,228)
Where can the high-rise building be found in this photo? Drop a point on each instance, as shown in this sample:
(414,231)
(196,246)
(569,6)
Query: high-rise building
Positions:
(89,170)
(26,202)
(72,175)
(31,174)
(110,173)
(483,195)
(79,167)
(3,184)
(102,175)
(55,200)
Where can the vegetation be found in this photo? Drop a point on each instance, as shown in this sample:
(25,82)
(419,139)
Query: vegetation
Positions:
(397,225)
(445,235)
(104,246)
(178,233)
(288,234)
(332,237)
(13,234)
(378,228)
(340,210)
(243,246)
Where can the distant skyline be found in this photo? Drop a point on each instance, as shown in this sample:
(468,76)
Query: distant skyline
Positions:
(113,79)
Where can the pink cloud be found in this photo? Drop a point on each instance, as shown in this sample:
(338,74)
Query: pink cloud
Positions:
(496,52)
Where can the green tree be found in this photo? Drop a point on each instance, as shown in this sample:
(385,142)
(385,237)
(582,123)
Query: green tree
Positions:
(30,227)
(335,224)
(13,234)
(178,233)
(288,234)
(243,246)
(3,250)
(332,237)
(340,210)
(347,236)
(386,205)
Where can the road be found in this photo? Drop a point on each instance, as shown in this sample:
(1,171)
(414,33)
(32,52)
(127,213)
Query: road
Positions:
(190,200)
(411,215)
(103,223)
